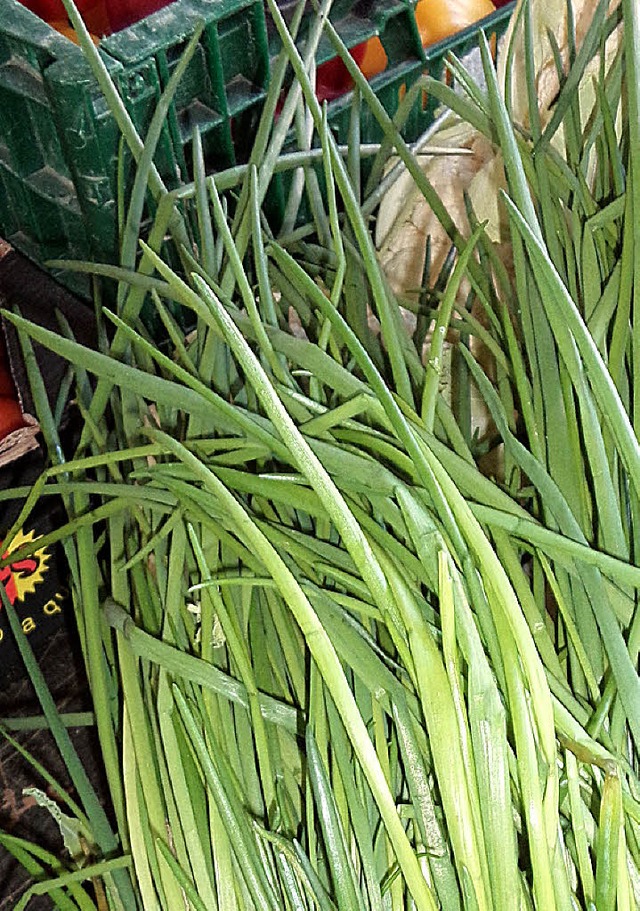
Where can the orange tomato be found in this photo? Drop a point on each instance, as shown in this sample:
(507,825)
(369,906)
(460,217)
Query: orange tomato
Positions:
(438,19)
(374,60)
(68,31)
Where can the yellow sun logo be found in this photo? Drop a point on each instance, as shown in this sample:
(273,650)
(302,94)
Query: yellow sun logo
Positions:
(22,576)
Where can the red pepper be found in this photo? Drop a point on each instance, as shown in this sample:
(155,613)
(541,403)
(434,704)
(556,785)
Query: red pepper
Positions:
(10,411)
(6,381)
(10,415)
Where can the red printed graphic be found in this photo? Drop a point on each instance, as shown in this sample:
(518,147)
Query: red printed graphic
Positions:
(21,577)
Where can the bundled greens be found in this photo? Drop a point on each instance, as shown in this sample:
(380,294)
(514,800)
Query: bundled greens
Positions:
(336,662)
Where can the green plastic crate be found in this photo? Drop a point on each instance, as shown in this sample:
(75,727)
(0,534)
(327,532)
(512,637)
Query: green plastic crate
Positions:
(59,143)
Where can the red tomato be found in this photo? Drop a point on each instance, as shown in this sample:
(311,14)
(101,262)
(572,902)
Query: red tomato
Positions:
(93,12)
(96,17)
(438,19)
(122,13)
(332,80)
(46,9)
(332,77)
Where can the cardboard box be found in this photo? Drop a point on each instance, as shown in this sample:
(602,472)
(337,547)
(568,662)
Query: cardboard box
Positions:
(37,584)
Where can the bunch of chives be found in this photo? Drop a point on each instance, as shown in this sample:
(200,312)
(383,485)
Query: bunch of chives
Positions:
(334,664)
